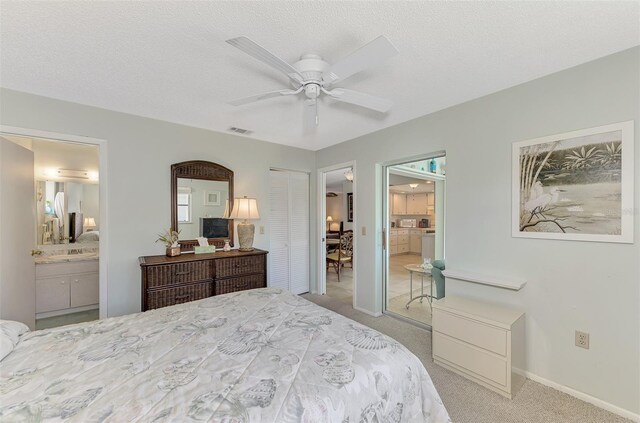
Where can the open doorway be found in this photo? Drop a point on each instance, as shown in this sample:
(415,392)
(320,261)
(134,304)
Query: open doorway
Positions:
(414,222)
(337,253)
(65,228)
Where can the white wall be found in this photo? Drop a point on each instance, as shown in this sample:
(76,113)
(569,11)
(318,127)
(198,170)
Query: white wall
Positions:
(334,209)
(594,287)
(91,203)
(140,153)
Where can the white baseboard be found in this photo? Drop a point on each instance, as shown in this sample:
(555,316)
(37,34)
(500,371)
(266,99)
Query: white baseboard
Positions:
(581,395)
(376,314)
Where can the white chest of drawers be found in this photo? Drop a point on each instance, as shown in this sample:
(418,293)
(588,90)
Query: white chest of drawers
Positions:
(481,341)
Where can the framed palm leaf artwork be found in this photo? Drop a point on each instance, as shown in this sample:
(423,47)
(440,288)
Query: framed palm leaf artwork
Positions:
(575,186)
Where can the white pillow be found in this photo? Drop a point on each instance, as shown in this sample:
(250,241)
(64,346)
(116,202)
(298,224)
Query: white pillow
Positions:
(10,333)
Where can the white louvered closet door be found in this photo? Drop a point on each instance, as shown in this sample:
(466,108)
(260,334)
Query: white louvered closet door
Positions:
(289,230)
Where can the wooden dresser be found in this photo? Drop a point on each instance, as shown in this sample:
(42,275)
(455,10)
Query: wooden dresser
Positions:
(173,280)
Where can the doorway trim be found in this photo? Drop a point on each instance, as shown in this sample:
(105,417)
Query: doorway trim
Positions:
(103,197)
(321,276)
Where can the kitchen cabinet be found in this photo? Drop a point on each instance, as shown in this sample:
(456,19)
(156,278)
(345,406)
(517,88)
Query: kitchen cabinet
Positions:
(417,204)
(415,241)
(399,204)
(431,199)
(398,241)
(62,287)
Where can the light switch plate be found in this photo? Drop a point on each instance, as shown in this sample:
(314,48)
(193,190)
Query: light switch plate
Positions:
(261,230)
(364,230)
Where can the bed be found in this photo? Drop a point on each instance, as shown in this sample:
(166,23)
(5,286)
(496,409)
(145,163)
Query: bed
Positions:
(262,355)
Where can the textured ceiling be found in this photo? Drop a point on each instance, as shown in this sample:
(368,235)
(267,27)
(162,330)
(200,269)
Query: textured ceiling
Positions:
(169,61)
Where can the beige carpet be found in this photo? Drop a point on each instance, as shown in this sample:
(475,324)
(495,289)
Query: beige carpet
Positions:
(467,401)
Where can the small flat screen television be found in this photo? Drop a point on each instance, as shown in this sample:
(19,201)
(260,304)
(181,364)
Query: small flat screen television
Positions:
(214,227)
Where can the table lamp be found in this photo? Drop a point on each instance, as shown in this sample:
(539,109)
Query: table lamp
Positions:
(329,220)
(245,208)
(89,223)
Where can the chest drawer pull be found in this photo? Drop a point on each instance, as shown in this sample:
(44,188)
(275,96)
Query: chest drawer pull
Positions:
(183,297)
(182,273)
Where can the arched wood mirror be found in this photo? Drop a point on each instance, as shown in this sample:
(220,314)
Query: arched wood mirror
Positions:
(201,199)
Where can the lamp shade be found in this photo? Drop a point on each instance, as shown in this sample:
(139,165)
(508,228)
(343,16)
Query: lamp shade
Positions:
(329,219)
(244,208)
(89,222)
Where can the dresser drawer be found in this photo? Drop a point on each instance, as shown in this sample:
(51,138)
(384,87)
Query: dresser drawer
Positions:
(484,336)
(236,266)
(178,273)
(240,284)
(470,359)
(403,239)
(181,294)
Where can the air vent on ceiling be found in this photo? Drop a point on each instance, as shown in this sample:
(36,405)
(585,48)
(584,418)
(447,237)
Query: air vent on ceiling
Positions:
(240,130)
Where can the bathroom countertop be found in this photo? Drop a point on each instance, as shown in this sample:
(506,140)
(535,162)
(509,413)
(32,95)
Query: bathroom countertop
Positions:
(65,258)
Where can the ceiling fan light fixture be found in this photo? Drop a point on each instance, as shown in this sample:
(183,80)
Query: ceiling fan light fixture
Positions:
(314,76)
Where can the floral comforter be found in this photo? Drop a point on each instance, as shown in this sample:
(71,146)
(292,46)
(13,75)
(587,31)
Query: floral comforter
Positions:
(263,355)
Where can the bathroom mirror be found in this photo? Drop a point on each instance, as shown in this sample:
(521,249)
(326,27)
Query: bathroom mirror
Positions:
(201,198)
(67,212)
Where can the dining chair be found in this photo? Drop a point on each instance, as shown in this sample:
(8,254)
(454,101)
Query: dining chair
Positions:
(342,255)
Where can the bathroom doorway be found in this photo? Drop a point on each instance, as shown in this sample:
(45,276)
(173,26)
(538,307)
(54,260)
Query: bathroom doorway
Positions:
(68,221)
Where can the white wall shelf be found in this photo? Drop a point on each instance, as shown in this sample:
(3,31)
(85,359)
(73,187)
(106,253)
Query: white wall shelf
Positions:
(513,284)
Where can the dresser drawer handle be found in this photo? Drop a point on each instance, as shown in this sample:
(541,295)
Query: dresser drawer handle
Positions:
(182,297)
(184,272)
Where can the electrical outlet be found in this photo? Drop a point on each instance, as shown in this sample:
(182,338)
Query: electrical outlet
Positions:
(364,231)
(582,340)
(261,230)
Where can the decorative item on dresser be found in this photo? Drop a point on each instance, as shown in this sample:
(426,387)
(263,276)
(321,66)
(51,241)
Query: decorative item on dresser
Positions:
(173,280)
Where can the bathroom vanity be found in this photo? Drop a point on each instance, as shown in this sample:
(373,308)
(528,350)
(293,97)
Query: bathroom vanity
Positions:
(66,284)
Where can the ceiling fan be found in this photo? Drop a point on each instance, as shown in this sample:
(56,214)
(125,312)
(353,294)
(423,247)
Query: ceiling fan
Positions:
(312,76)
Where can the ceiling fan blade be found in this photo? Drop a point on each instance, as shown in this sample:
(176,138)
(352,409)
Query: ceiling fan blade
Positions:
(263,96)
(253,49)
(369,55)
(310,115)
(358,98)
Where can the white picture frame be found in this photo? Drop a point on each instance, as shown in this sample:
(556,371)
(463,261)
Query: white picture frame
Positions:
(575,186)
(212,198)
